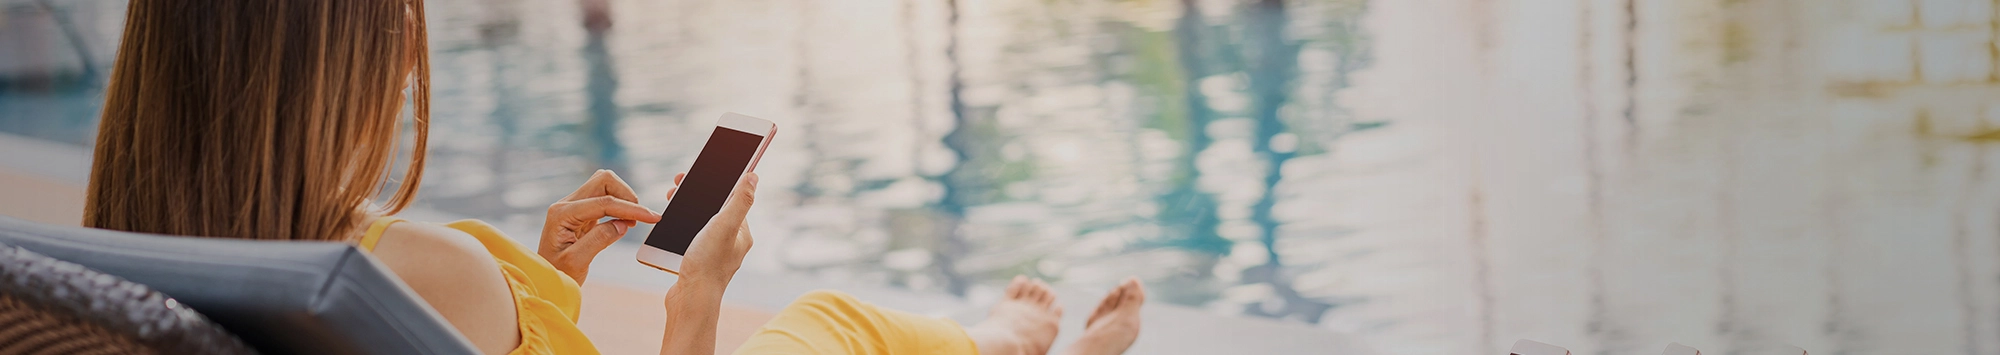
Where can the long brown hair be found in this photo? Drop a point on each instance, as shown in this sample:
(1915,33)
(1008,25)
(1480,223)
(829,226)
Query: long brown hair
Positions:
(259,119)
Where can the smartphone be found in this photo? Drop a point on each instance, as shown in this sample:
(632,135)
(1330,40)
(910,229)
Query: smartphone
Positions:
(733,149)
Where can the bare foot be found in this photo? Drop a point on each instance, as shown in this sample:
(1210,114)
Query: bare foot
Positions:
(1023,323)
(1115,324)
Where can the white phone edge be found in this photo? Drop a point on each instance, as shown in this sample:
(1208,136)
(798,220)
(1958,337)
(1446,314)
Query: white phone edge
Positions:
(660,259)
(671,262)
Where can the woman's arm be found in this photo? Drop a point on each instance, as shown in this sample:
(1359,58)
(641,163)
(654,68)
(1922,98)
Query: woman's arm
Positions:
(695,301)
(693,309)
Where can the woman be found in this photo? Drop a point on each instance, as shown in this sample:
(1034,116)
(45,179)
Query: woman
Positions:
(278,119)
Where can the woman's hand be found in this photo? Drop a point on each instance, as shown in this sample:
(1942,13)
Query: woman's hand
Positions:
(694,304)
(572,235)
(717,252)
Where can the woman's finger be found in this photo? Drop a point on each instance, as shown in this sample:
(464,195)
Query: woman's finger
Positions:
(592,209)
(601,237)
(604,183)
(678,177)
(740,199)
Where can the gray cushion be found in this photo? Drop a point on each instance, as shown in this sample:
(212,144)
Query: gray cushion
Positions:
(280,297)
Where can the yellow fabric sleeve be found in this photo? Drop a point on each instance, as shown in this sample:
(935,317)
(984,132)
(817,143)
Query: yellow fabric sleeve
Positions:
(546,300)
(374,234)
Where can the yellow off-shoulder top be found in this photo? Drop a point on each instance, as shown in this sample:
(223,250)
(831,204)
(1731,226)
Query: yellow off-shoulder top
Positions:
(545,299)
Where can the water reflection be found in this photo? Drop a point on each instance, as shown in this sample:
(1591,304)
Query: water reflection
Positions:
(932,145)
(53,58)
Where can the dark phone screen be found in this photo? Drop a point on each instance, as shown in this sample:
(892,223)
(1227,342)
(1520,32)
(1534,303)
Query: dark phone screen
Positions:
(705,188)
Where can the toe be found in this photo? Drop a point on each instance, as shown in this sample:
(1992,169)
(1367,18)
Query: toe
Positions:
(1105,306)
(1050,298)
(1112,300)
(1017,287)
(1134,291)
(1048,293)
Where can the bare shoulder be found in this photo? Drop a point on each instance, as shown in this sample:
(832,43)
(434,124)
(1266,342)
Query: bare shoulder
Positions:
(435,243)
(422,253)
(453,272)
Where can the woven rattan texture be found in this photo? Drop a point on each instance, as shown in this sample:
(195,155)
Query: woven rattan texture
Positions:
(49,306)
